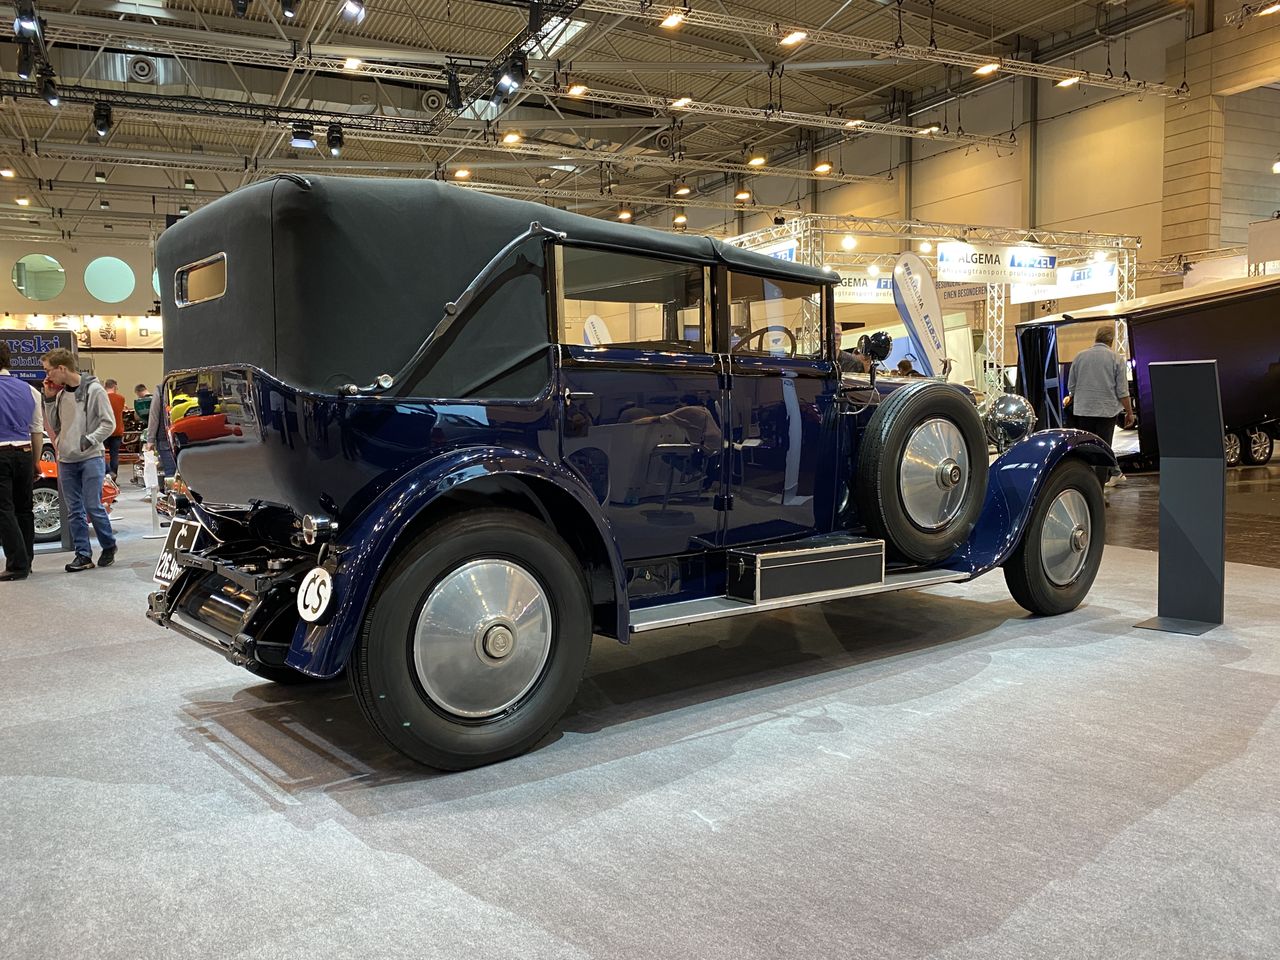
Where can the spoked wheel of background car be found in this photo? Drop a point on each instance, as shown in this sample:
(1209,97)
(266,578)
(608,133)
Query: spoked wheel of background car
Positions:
(922,472)
(1055,564)
(475,642)
(48,517)
(1232,446)
(1258,447)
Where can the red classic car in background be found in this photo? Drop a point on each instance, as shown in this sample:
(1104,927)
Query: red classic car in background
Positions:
(46,499)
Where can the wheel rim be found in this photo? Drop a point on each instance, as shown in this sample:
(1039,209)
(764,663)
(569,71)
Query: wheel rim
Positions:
(482,638)
(935,474)
(1231,447)
(1065,537)
(44,504)
(1259,445)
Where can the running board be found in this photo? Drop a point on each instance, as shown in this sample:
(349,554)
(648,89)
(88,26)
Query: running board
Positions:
(717,608)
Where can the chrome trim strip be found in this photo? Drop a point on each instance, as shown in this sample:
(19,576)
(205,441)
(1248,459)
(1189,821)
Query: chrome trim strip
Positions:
(717,608)
(809,551)
(179,301)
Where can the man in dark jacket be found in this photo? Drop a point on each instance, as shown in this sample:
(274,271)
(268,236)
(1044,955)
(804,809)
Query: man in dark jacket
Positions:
(21,437)
(80,418)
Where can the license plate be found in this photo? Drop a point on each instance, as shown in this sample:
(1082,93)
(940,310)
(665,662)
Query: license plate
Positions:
(183,537)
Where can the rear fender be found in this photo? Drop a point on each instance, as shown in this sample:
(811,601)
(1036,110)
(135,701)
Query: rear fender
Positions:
(1016,479)
(365,547)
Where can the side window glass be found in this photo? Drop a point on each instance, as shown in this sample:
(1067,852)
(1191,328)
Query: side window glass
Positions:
(774,318)
(497,347)
(616,299)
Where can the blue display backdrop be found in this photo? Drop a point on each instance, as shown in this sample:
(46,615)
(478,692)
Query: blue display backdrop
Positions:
(26,347)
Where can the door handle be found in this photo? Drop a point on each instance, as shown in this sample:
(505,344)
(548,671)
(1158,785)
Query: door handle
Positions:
(572,395)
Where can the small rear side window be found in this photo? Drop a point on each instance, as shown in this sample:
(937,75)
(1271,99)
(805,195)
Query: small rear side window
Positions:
(200,281)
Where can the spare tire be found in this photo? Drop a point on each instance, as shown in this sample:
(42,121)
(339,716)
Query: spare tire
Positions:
(922,472)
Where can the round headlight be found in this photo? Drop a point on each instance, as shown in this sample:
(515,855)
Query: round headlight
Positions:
(316,529)
(1009,418)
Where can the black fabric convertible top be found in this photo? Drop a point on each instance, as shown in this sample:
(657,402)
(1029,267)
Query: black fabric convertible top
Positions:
(336,279)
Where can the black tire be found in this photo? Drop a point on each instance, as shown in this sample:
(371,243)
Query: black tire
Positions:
(385,679)
(1233,447)
(877,490)
(1257,446)
(1025,572)
(42,490)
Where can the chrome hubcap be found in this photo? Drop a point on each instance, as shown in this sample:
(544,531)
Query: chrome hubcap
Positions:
(482,638)
(44,504)
(935,474)
(1065,537)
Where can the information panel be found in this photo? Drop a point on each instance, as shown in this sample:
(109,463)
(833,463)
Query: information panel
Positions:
(26,347)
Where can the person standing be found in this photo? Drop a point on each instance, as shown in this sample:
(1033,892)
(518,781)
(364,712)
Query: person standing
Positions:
(142,402)
(80,418)
(1098,387)
(117,437)
(158,440)
(21,437)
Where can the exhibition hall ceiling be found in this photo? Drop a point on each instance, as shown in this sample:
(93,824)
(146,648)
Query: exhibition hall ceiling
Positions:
(162,105)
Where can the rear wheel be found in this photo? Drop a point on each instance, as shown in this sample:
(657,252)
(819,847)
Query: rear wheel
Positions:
(48,515)
(1057,560)
(922,472)
(1232,447)
(476,640)
(1258,447)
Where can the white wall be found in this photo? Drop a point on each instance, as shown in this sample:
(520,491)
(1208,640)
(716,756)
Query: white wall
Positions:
(75,299)
(1250,191)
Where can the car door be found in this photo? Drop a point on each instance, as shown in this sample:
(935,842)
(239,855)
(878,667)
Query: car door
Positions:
(782,388)
(643,417)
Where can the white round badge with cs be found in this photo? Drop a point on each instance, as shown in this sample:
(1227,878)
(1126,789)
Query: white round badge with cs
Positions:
(314,594)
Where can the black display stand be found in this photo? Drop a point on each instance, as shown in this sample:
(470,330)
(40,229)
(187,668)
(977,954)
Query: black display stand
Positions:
(1193,497)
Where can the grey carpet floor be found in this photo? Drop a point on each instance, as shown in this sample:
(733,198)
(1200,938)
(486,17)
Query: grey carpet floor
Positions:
(917,775)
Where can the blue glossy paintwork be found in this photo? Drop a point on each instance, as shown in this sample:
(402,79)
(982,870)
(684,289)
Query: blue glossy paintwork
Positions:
(1015,481)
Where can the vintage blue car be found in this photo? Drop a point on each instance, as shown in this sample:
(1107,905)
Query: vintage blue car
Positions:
(471,433)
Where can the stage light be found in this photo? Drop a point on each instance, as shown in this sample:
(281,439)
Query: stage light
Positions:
(743,194)
(511,137)
(1067,82)
(462,173)
(682,190)
(624,214)
(25,22)
(102,118)
(577,89)
(289,8)
(183,210)
(354,10)
(104,204)
(23,201)
(303,137)
(681,102)
(188,184)
(511,75)
(240,7)
(8,173)
(793,38)
(873,271)
(672,19)
(680,219)
(26,60)
(49,91)
(824,166)
(453,95)
(986,70)
(334,139)
(352,63)
(849,241)
(926,246)
(757,160)
(930,129)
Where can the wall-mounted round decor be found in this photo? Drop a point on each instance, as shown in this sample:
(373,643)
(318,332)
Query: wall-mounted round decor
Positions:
(39,276)
(109,279)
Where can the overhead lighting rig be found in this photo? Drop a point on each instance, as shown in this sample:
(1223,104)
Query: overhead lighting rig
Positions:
(1250,10)
(101,118)
(334,139)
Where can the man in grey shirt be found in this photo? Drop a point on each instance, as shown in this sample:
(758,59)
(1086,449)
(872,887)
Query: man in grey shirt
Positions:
(1098,387)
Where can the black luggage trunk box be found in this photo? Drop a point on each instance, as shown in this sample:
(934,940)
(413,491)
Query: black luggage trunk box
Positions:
(815,566)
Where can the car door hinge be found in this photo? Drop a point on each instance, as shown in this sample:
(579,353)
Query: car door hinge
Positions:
(724,501)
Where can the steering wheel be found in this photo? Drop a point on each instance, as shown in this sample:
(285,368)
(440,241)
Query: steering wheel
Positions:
(760,334)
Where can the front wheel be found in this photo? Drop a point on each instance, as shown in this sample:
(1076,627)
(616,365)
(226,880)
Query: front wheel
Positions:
(476,640)
(45,504)
(1258,447)
(1061,549)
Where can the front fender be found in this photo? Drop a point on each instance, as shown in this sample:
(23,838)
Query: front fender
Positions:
(321,650)
(1015,481)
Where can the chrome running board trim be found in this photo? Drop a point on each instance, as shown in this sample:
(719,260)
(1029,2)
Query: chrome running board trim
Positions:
(717,608)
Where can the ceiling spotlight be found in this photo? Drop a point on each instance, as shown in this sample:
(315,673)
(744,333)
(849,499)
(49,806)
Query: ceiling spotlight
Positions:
(453,93)
(793,38)
(1269,9)
(26,60)
(511,137)
(577,89)
(102,118)
(848,241)
(8,173)
(986,70)
(104,204)
(926,246)
(873,271)
(682,190)
(743,194)
(241,7)
(352,63)
(672,19)
(334,139)
(183,210)
(823,166)
(1101,256)
(461,173)
(854,123)
(23,201)
(49,91)
(1067,82)
(354,10)
(303,137)
(757,160)
(681,102)
(100,176)
(679,219)
(511,75)
(930,129)
(187,184)
(1275,167)
(25,23)
(624,214)
(289,8)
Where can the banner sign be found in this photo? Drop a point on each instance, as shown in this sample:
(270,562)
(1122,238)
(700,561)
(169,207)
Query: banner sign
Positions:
(916,296)
(961,262)
(956,293)
(1079,281)
(786,250)
(858,286)
(26,347)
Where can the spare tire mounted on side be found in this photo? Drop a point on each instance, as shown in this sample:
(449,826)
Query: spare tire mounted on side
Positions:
(921,477)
